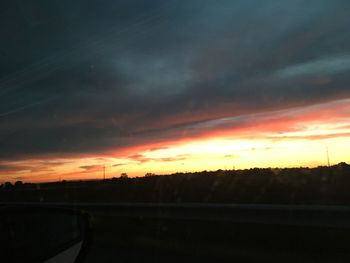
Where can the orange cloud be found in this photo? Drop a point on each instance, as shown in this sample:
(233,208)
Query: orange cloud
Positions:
(206,145)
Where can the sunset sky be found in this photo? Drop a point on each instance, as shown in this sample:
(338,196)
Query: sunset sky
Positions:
(158,86)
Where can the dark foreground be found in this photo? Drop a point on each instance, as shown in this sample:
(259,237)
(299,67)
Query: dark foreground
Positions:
(178,241)
(215,233)
(155,239)
(311,222)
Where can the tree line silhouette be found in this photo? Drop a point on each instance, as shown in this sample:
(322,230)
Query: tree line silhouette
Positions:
(321,185)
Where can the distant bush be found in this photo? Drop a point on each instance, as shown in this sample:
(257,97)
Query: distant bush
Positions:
(124,175)
(18,184)
(8,185)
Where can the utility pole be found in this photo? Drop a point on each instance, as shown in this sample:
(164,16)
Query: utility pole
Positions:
(328,157)
(104,172)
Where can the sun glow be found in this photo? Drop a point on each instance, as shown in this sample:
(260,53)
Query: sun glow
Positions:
(300,141)
(197,156)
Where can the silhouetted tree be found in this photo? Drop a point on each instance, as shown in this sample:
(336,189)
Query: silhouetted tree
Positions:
(123,175)
(18,184)
(8,185)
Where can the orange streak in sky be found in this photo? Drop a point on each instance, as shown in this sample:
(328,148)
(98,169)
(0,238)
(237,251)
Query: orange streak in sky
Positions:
(287,137)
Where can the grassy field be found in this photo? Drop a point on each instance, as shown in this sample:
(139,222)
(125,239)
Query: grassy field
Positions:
(135,240)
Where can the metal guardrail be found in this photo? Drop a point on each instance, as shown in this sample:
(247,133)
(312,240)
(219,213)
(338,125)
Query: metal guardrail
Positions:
(325,216)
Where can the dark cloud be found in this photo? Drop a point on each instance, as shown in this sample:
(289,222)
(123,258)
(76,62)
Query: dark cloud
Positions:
(259,149)
(91,168)
(30,166)
(231,156)
(85,76)
(121,164)
(312,137)
(140,158)
(7,167)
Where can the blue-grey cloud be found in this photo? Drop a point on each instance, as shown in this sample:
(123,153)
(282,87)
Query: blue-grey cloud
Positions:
(86,76)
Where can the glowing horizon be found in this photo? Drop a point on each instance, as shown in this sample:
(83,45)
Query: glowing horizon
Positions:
(300,142)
